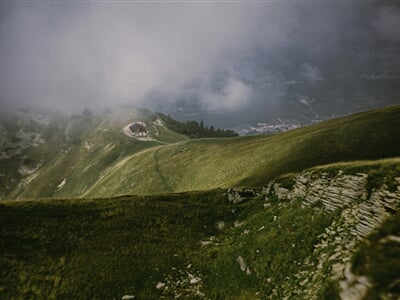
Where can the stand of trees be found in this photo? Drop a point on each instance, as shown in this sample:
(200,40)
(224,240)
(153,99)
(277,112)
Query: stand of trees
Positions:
(195,130)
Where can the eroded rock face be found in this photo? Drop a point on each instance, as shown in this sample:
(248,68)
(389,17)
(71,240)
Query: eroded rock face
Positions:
(342,192)
(334,192)
(361,212)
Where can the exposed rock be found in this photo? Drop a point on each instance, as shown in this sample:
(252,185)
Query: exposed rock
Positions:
(237,195)
(23,140)
(183,285)
(160,285)
(339,192)
(237,224)
(220,225)
(243,266)
(354,287)
(62,183)
(193,279)
(281,192)
(360,213)
(390,238)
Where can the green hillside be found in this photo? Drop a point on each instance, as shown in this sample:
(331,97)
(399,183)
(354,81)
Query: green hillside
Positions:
(199,245)
(100,249)
(29,141)
(251,161)
(195,245)
(90,156)
(72,152)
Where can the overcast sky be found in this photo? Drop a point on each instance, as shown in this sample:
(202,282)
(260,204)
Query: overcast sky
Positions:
(219,55)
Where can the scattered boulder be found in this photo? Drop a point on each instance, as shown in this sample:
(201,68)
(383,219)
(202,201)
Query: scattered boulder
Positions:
(237,195)
(243,266)
(160,285)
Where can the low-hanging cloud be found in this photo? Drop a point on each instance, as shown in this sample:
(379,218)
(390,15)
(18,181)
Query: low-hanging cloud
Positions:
(70,55)
(311,73)
(224,56)
(387,22)
(233,96)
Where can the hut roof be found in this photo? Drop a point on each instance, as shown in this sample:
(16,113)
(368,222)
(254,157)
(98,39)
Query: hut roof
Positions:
(136,126)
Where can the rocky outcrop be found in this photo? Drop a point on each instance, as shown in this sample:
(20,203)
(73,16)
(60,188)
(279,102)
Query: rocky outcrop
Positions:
(342,191)
(237,195)
(360,212)
(334,192)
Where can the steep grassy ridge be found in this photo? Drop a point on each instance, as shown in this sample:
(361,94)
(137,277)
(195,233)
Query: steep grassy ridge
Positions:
(251,161)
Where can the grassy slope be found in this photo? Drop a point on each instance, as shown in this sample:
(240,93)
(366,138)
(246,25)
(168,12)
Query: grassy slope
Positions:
(105,248)
(276,241)
(252,161)
(31,157)
(82,162)
(100,249)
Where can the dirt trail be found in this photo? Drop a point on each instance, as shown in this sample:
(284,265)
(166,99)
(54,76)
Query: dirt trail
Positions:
(159,173)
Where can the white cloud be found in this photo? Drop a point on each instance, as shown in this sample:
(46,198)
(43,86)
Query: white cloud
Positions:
(387,22)
(83,54)
(311,73)
(71,55)
(234,95)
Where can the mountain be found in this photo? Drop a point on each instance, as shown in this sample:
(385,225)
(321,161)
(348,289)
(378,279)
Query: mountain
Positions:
(250,161)
(310,213)
(92,157)
(324,233)
(297,88)
(54,147)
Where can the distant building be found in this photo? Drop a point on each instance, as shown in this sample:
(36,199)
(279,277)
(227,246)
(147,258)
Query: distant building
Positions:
(138,129)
